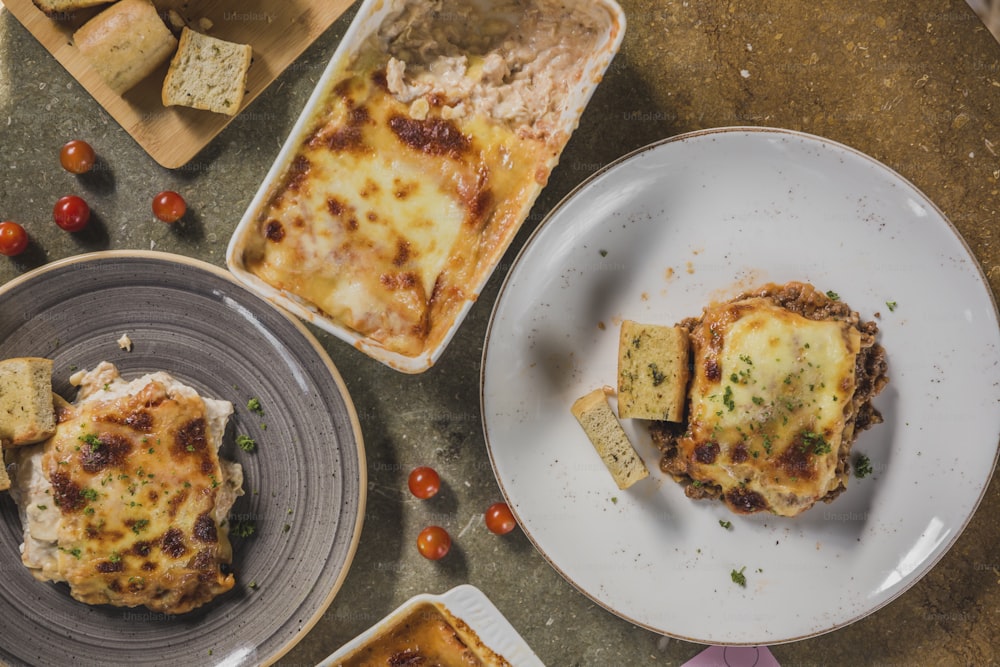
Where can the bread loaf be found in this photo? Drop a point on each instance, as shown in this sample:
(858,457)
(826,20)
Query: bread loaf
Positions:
(125,43)
(27,412)
(609,438)
(653,371)
(207,73)
(56,7)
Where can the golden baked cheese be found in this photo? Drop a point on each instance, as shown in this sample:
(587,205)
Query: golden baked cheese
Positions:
(767,404)
(127,502)
(421,162)
(383,220)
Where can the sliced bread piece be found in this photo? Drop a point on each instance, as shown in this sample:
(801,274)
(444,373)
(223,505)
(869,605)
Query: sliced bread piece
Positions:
(54,8)
(207,73)
(653,371)
(609,438)
(125,43)
(27,411)
(4,478)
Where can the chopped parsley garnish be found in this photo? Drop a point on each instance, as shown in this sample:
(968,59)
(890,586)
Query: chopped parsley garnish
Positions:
(89,494)
(74,552)
(42,507)
(891,305)
(862,466)
(725,524)
(738,577)
(246,443)
(253,405)
(115,557)
(243,528)
(92,440)
(139,525)
(815,442)
(727,399)
(833,295)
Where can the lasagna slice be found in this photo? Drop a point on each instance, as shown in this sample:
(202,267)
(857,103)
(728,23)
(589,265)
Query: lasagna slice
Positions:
(127,502)
(421,163)
(782,382)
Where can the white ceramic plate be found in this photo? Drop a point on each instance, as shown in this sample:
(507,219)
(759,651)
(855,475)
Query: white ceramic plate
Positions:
(656,236)
(467,603)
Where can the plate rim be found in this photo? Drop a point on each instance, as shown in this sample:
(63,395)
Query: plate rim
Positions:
(355,424)
(617,163)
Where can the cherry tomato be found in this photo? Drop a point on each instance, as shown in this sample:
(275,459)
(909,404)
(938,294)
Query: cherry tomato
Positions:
(433,542)
(499,519)
(71,213)
(424,482)
(169,206)
(77,157)
(13,238)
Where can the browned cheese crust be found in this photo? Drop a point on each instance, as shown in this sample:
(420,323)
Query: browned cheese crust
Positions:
(806,470)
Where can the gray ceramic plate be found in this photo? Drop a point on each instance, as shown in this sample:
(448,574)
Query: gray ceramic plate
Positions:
(305,482)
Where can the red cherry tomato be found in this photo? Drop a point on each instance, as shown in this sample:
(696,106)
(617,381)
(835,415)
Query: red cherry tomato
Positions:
(71,213)
(499,519)
(424,482)
(169,206)
(77,157)
(433,542)
(13,238)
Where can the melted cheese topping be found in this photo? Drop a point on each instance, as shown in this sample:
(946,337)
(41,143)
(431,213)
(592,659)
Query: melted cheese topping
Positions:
(406,191)
(768,405)
(132,507)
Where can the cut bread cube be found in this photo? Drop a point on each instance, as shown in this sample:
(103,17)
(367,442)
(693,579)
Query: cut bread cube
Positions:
(653,371)
(609,438)
(27,411)
(4,478)
(207,73)
(125,43)
(54,8)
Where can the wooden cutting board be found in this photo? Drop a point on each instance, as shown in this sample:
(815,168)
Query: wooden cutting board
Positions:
(278,30)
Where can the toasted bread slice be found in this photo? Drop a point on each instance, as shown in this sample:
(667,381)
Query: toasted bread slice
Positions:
(27,412)
(54,8)
(653,371)
(4,479)
(609,438)
(125,43)
(207,73)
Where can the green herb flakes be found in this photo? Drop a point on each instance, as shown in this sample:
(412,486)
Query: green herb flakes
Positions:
(862,466)
(246,443)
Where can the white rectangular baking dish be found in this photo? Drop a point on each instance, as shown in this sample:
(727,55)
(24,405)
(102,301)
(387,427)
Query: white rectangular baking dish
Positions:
(468,604)
(370,16)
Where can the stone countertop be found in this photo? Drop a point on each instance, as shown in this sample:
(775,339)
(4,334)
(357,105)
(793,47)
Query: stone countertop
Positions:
(915,85)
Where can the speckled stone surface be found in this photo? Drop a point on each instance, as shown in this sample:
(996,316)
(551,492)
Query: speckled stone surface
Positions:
(915,85)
